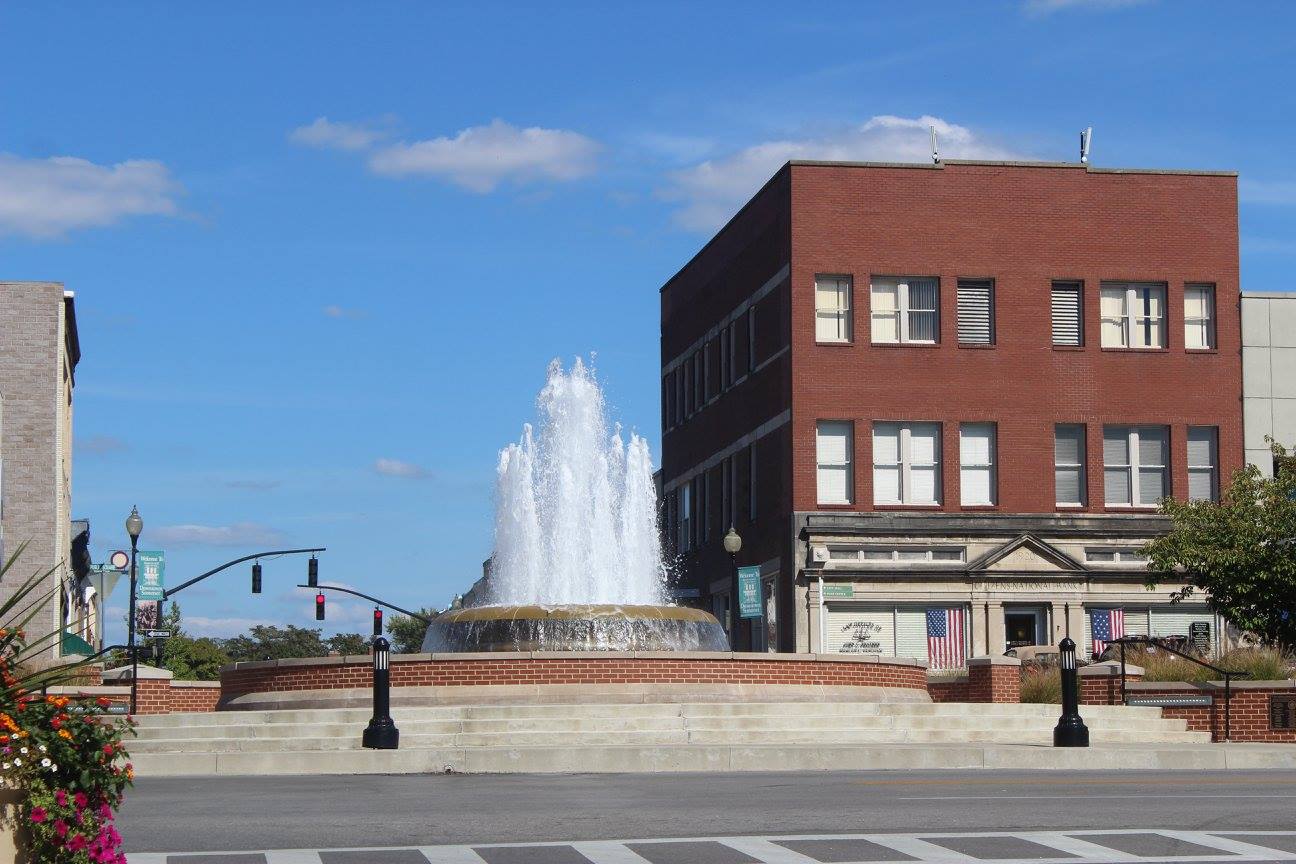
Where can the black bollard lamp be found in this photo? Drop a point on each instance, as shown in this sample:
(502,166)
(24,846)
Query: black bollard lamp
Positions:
(381,733)
(1070,730)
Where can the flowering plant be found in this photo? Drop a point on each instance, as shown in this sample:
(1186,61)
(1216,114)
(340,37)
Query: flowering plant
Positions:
(67,756)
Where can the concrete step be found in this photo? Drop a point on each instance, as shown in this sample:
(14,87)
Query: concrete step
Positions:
(726,757)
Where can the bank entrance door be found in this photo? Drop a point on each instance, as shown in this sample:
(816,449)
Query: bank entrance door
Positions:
(1024,625)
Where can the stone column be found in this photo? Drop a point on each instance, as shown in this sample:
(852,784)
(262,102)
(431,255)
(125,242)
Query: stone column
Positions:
(997,635)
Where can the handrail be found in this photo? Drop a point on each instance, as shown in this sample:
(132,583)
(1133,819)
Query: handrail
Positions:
(1159,643)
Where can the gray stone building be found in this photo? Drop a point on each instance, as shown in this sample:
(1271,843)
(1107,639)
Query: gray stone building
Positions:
(1268,373)
(39,351)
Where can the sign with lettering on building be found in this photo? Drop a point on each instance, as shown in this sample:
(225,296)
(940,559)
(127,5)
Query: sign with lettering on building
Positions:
(749,592)
(1199,637)
(150,575)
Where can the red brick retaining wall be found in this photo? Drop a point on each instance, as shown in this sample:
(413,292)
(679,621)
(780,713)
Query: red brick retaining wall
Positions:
(190,696)
(424,670)
(1249,709)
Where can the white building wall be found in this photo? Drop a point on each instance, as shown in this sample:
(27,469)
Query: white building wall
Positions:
(1268,373)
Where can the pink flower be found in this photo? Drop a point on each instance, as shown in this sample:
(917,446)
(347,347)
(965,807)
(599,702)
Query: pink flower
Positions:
(38,814)
(60,827)
(77,843)
(60,798)
(81,800)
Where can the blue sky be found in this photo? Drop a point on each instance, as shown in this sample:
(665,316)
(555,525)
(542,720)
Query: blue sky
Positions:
(323,252)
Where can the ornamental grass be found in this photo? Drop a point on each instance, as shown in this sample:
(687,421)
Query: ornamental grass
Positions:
(66,756)
(1261,664)
(1041,684)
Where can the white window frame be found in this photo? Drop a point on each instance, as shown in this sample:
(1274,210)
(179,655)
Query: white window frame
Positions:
(989,466)
(1212,468)
(969,287)
(685,517)
(904,432)
(840,314)
(893,553)
(1126,556)
(902,310)
(846,466)
(1205,322)
(1083,480)
(1133,317)
(1135,468)
(1072,289)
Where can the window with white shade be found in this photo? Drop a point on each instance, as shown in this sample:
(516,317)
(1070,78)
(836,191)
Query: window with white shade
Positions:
(1135,460)
(1068,313)
(833,446)
(1203,463)
(1133,315)
(832,308)
(905,309)
(906,463)
(1199,317)
(976,312)
(977,463)
(1069,464)
(685,517)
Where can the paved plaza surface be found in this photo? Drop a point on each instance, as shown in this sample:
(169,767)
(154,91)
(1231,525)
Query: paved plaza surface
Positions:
(747,818)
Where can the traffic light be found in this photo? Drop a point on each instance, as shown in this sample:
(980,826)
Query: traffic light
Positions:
(312,573)
(256,578)
(377,621)
(319,607)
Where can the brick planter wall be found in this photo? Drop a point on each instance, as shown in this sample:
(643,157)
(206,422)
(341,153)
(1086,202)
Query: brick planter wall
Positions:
(1249,711)
(1100,683)
(189,696)
(988,679)
(428,670)
(948,689)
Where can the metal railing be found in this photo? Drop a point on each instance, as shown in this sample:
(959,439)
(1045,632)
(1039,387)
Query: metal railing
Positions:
(1161,644)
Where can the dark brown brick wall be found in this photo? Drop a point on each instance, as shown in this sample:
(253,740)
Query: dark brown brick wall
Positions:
(1025,227)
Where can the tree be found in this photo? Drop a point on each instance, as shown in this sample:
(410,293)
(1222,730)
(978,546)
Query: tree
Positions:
(187,657)
(268,642)
(1240,551)
(407,633)
(348,643)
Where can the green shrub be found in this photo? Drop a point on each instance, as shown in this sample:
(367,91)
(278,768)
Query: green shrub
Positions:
(1041,685)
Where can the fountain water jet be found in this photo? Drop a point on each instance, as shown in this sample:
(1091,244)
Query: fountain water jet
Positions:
(578,563)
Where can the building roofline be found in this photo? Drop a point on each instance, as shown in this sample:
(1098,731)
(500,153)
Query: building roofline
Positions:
(1015,163)
(1269,295)
(937,166)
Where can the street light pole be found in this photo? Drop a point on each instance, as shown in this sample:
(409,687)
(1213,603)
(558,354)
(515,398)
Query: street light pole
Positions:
(733,545)
(134,525)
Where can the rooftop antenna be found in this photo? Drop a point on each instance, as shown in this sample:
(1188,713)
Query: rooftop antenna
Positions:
(1085,137)
(935,152)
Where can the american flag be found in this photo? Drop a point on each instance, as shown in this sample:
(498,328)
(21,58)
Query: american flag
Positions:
(946,634)
(1106,624)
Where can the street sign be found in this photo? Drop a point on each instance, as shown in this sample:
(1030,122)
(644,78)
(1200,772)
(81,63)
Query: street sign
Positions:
(839,591)
(749,592)
(119,560)
(151,567)
(157,634)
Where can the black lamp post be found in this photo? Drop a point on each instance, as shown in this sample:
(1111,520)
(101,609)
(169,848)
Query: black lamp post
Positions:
(134,526)
(1070,730)
(381,733)
(733,545)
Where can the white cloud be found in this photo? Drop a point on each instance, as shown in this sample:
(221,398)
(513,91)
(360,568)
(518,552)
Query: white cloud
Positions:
(238,534)
(49,197)
(712,191)
(1048,7)
(325,134)
(397,468)
(1271,192)
(480,158)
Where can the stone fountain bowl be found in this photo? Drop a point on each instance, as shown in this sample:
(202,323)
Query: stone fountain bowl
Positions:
(605,627)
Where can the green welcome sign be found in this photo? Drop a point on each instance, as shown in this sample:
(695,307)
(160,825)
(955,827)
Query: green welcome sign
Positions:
(151,573)
(749,592)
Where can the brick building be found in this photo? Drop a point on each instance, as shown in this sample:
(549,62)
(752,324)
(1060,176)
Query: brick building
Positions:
(956,388)
(38,359)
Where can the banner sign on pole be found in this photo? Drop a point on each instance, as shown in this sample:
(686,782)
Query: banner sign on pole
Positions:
(150,575)
(749,592)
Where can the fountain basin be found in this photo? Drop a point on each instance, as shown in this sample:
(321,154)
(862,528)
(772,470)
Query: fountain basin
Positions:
(575,627)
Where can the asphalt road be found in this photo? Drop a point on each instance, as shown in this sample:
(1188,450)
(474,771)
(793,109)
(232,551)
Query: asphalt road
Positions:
(321,812)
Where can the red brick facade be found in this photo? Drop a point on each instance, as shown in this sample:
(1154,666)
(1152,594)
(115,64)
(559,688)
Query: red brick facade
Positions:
(417,671)
(1248,710)
(1022,226)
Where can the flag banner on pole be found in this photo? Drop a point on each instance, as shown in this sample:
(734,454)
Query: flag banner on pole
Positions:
(1106,625)
(946,638)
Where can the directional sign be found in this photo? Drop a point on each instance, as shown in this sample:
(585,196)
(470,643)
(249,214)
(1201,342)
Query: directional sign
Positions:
(157,634)
(749,592)
(151,582)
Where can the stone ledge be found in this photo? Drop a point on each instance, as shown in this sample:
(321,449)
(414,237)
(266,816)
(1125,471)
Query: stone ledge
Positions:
(1108,669)
(146,673)
(1211,685)
(994,660)
(197,684)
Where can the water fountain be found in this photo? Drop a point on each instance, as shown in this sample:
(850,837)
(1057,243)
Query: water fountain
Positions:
(578,564)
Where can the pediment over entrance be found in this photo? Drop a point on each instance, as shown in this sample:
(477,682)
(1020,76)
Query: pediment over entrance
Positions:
(1026,554)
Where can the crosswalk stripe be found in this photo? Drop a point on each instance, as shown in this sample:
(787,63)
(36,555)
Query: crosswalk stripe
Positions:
(293,856)
(1235,847)
(606,852)
(920,849)
(450,855)
(767,851)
